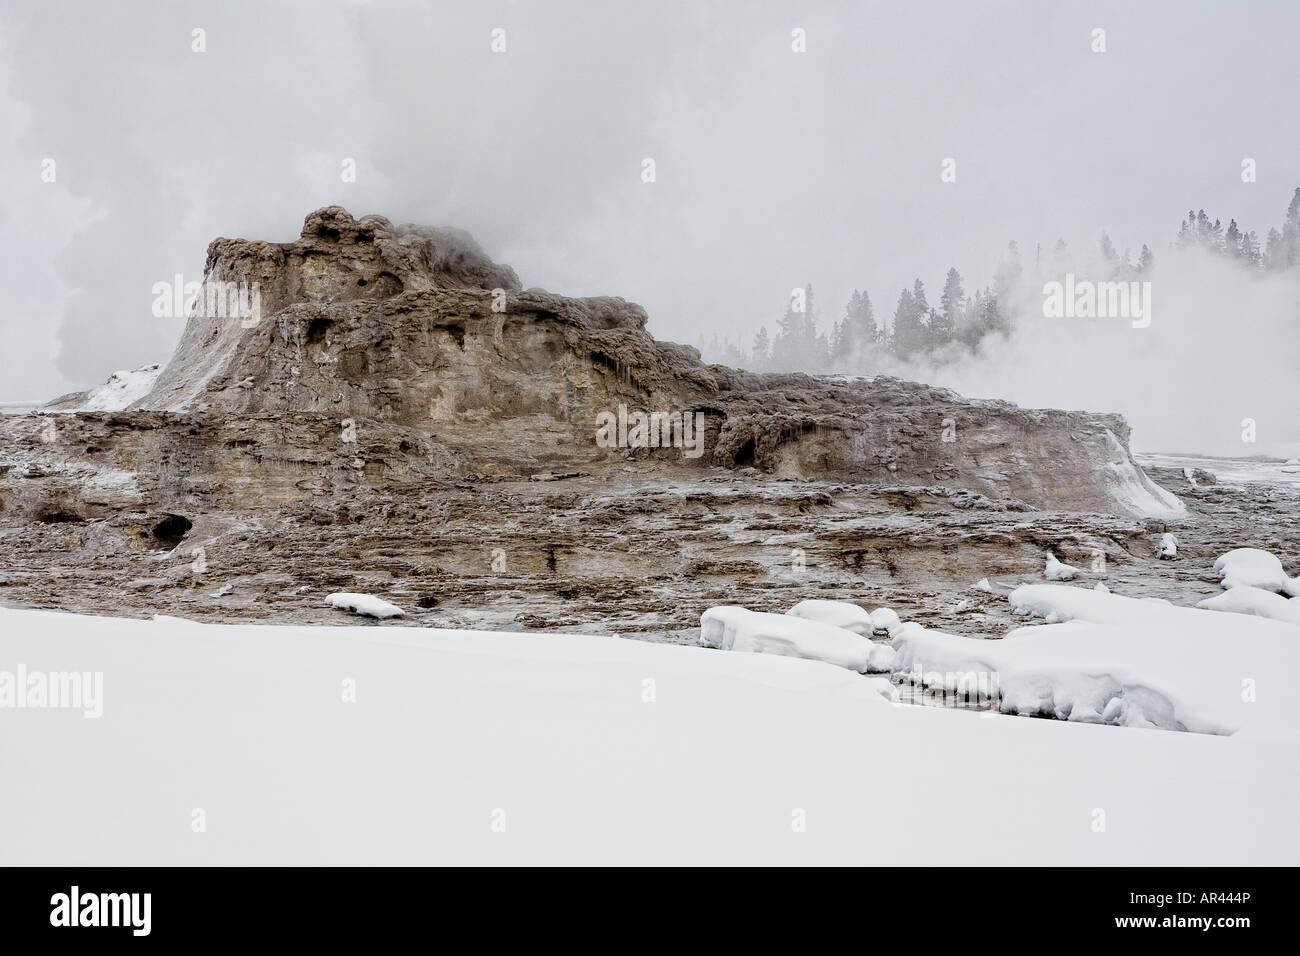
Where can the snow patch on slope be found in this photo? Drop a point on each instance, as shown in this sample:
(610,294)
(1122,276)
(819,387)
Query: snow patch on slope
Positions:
(1132,491)
(121,389)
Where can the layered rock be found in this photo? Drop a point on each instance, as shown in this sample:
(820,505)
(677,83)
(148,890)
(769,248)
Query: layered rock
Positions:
(414,328)
(399,416)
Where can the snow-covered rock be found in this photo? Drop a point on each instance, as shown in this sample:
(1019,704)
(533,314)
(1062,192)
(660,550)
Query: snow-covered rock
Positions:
(732,628)
(1254,567)
(121,390)
(1124,661)
(982,585)
(1168,546)
(851,617)
(1057,571)
(1245,599)
(367,605)
(885,620)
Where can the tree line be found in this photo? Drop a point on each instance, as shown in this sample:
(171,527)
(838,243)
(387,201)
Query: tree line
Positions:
(959,322)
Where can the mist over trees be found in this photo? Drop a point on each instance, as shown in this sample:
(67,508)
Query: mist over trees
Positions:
(858,341)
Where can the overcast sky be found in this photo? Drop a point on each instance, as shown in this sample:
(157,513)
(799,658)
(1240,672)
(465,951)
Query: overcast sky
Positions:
(773,168)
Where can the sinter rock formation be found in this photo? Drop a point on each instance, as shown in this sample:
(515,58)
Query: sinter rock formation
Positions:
(416,328)
(391,375)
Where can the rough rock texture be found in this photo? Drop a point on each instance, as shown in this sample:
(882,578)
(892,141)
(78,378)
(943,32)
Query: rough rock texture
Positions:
(417,329)
(383,428)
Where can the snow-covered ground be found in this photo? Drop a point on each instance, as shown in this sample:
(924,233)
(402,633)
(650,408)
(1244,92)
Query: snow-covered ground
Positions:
(270,744)
(19,408)
(1228,471)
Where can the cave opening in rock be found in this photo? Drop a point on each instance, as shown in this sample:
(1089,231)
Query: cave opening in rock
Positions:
(55,516)
(745,455)
(317,328)
(172,529)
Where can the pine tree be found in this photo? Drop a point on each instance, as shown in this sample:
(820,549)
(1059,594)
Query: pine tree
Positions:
(1145,261)
(1232,240)
(1274,258)
(1108,253)
(909,325)
(855,334)
(865,318)
(1005,285)
(918,297)
(1202,229)
(762,356)
(815,349)
(944,324)
(904,336)
(991,319)
(1250,249)
(1290,248)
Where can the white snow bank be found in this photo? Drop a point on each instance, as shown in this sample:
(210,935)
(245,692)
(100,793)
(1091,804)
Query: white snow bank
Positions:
(1057,571)
(836,613)
(1134,662)
(366,605)
(121,389)
(1254,567)
(1250,600)
(558,749)
(739,629)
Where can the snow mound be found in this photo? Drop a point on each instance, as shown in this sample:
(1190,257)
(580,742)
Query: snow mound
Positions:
(1254,567)
(1056,571)
(982,585)
(367,605)
(836,613)
(122,389)
(1251,600)
(732,628)
(1125,661)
